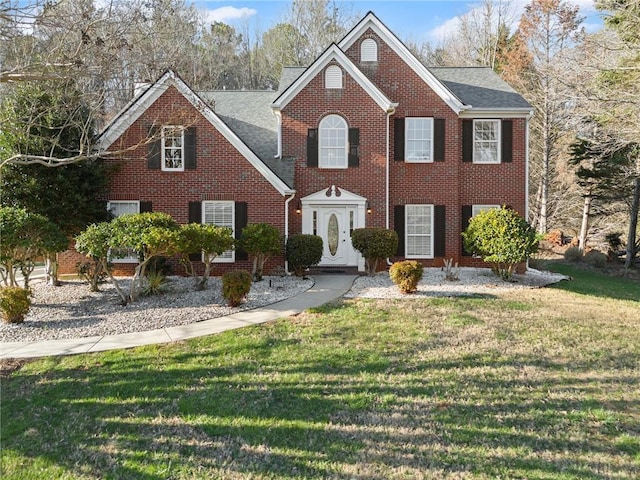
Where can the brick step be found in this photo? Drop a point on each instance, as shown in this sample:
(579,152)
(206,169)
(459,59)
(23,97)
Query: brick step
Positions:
(334,271)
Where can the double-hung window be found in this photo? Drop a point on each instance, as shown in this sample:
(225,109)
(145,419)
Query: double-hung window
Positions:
(476,209)
(419,231)
(117,208)
(418,139)
(486,141)
(333,142)
(222,214)
(173,148)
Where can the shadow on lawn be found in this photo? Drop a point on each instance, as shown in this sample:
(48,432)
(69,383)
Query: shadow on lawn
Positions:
(155,413)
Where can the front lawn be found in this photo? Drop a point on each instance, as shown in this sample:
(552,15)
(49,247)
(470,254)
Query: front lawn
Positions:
(535,384)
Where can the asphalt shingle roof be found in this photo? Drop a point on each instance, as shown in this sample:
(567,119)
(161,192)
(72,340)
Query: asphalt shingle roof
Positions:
(479,87)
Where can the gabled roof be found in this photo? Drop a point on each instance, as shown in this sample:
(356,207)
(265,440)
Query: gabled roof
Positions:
(134,110)
(333,53)
(249,115)
(370,21)
(481,88)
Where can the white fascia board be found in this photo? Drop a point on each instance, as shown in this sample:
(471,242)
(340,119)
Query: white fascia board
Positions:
(140,105)
(132,111)
(334,53)
(371,21)
(497,113)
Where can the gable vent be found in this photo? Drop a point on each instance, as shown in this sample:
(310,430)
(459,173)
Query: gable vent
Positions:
(369,50)
(333,77)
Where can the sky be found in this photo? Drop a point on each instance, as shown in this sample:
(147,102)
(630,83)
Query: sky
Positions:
(416,20)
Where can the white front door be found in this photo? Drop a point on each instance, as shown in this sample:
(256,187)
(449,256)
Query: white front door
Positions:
(334,226)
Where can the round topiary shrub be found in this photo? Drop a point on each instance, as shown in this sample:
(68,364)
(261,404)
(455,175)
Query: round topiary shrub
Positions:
(406,275)
(14,304)
(595,258)
(374,244)
(236,284)
(303,251)
(573,254)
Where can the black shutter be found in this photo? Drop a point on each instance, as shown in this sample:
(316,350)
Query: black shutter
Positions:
(312,147)
(438,139)
(440,231)
(467,140)
(507,141)
(241,220)
(398,139)
(354,142)
(195,216)
(398,226)
(153,148)
(190,148)
(467,213)
(146,207)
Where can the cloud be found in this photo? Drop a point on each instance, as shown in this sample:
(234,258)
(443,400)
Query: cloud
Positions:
(227,14)
(450,27)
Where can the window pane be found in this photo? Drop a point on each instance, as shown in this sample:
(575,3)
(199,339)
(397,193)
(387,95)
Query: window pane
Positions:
(486,140)
(172,147)
(418,226)
(220,214)
(418,139)
(333,142)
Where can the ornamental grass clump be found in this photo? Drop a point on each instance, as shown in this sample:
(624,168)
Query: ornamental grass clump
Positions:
(15,303)
(406,275)
(236,285)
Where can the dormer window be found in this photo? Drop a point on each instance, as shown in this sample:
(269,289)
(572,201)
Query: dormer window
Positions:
(369,50)
(333,77)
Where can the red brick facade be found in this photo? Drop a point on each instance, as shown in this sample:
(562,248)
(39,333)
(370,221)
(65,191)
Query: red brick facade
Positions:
(224,173)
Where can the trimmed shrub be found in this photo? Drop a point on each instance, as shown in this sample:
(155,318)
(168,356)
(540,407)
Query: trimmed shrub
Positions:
(406,275)
(303,251)
(260,241)
(502,238)
(374,244)
(595,258)
(573,254)
(14,304)
(236,284)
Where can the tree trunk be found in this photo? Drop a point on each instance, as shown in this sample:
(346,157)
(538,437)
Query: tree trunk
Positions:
(586,210)
(633,223)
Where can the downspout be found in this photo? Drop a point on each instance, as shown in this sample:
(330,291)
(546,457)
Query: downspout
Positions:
(390,112)
(286,229)
(526,170)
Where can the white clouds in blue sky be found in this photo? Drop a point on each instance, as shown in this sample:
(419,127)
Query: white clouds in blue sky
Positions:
(228,14)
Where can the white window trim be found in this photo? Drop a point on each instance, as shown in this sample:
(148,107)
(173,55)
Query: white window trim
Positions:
(369,50)
(406,231)
(333,78)
(321,133)
(498,141)
(476,209)
(130,259)
(406,141)
(172,128)
(219,258)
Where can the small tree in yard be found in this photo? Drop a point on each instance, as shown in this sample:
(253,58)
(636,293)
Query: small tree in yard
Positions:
(303,251)
(502,238)
(261,241)
(147,234)
(25,237)
(374,244)
(203,239)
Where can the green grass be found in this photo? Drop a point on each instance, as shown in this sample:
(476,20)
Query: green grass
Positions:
(588,282)
(535,384)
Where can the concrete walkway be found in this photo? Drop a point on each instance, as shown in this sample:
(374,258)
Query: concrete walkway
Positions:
(326,288)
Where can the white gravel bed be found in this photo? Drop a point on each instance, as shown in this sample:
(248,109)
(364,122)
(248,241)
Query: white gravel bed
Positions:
(72,311)
(472,281)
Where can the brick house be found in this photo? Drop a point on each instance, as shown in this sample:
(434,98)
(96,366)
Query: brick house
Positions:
(365,136)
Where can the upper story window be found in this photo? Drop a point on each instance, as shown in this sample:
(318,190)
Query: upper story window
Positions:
(172,148)
(418,139)
(419,231)
(486,141)
(369,50)
(333,77)
(333,142)
(221,214)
